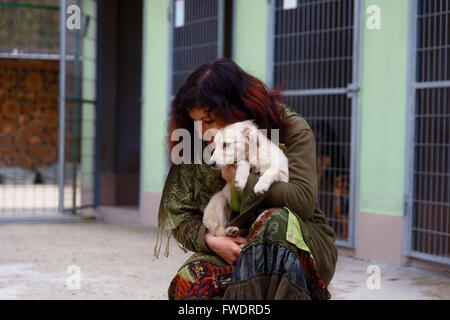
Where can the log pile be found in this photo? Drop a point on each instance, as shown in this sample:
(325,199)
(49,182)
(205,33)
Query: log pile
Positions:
(29,113)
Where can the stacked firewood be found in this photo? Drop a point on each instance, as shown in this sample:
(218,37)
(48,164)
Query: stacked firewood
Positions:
(28,113)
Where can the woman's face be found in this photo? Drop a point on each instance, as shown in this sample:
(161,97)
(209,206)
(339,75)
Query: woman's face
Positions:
(205,121)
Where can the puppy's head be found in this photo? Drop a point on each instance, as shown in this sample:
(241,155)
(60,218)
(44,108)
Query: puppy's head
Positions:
(231,143)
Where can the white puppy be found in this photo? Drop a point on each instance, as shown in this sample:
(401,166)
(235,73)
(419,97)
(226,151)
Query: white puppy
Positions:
(243,145)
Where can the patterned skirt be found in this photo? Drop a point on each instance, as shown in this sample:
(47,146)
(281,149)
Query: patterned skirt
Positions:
(274,264)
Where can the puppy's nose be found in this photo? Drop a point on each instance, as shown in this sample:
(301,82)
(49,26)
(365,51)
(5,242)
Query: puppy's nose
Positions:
(213,164)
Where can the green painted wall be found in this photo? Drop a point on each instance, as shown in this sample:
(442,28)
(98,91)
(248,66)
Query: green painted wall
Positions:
(156,34)
(383,99)
(250,36)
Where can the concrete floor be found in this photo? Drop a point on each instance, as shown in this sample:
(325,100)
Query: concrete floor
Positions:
(116,262)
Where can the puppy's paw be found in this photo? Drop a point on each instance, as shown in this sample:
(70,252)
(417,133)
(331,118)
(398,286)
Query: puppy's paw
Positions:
(240,182)
(260,188)
(232,231)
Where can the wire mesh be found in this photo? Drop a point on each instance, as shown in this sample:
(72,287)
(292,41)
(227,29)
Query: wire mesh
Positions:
(29,76)
(79,141)
(196,40)
(313,66)
(29,107)
(314,45)
(431,172)
(330,116)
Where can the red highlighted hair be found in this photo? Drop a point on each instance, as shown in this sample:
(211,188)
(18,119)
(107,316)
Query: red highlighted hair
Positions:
(230,94)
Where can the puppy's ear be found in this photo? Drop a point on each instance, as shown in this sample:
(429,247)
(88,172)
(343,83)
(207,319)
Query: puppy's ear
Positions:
(247,128)
(250,132)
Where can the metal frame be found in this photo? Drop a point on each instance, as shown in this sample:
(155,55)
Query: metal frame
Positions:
(63,58)
(169,97)
(352,91)
(409,120)
(63,98)
(220,28)
(171,20)
(233,30)
(77,58)
(78,100)
(142,99)
(99,106)
(62,101)
(77,110)
(220,50)
(44,219)
(411,91)
(270,41)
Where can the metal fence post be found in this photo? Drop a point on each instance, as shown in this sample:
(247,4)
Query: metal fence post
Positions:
(62,101)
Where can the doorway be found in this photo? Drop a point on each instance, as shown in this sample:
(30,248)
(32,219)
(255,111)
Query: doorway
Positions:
(120,59)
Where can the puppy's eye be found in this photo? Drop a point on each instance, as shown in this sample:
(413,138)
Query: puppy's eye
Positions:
(225,144)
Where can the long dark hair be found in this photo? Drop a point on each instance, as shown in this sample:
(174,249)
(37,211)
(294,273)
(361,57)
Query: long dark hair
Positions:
(230,94)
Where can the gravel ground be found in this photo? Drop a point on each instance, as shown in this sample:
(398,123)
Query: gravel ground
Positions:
(116,262)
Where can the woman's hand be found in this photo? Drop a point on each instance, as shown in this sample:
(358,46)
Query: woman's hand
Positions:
(228,173)
(227,248)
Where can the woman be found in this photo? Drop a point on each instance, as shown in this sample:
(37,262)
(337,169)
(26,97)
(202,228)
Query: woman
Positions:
(289,252)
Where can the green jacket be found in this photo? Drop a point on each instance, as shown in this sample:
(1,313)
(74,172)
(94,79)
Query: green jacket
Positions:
(189,187)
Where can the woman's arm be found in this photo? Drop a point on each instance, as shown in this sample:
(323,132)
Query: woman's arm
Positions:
(190,233)
(179,209)
(300,193)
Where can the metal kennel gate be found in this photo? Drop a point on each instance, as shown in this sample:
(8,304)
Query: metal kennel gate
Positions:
(196,37)
(47,101)
(314,58)
(427,169)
